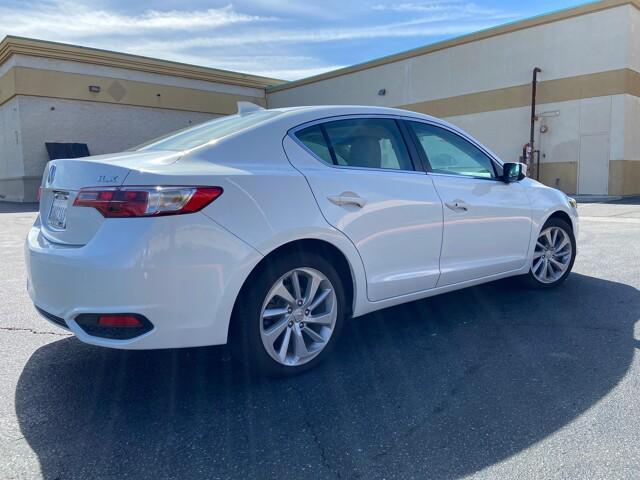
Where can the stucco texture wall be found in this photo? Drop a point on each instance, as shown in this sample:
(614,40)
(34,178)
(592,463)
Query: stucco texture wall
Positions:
(105,128)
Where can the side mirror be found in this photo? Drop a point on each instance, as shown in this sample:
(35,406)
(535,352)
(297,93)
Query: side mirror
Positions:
(513,172)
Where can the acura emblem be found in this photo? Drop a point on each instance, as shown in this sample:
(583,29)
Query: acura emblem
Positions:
(52,174)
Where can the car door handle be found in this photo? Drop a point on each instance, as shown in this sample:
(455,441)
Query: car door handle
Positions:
(457,206)
(347,198)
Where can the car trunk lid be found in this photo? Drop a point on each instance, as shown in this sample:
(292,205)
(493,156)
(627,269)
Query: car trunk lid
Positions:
(64,223)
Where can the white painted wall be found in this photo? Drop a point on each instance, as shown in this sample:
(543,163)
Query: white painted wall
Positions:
(11,167)
(626,130)
(506,131)
(633,39)
(10,142)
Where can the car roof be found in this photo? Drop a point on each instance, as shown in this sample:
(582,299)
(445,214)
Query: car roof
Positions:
(336,110)
(292,117)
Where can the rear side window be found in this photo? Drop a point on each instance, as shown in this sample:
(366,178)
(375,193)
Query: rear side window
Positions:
(313,139)
(362,142)
(451,154)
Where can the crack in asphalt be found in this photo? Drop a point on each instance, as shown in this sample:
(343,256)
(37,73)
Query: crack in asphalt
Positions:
(35,332)
(316,440)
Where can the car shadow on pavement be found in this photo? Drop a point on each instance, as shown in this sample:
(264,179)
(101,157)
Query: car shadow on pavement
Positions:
(438,388)
(11,207)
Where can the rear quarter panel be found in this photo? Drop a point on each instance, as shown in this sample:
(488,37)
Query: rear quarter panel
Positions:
(266,202)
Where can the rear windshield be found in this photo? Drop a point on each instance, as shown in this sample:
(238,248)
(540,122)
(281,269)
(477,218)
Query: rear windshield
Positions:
(206,132)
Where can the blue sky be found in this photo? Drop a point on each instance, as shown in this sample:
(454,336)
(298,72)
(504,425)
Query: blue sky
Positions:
(286,39)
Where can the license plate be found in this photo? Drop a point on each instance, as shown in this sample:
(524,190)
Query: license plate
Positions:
(58,214)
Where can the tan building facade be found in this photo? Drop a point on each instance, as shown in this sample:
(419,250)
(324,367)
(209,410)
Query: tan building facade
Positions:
(587,130)
(111,101)
(588,122)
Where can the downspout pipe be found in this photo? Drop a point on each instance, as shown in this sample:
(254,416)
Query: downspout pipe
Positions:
(534,85)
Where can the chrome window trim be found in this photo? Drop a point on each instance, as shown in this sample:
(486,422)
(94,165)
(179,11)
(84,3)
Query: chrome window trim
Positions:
(292,134)
(453,175)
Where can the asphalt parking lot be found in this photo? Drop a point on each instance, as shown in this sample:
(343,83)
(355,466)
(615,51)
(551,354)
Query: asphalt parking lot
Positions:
(489,382)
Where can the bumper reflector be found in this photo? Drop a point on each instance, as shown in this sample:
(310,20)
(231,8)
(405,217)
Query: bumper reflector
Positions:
(114,325)
(120,321)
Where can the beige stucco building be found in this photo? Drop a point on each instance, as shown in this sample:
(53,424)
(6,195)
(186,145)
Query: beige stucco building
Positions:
(587,129)
(111,101)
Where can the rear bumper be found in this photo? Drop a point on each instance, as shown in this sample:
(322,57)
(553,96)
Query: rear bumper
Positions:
(182,273)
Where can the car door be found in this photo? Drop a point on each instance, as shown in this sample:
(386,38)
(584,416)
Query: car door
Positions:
(487,223)
(363,177)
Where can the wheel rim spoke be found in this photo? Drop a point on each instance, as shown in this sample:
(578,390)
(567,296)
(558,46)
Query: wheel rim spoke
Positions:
(546,270)
(565,244)
(536,266)
(312,289)
(313,335)
(282,292)
(299,347)
(324,319)
(557,264)
(274,312)
(284,347)
(322,296)
(295,281)
(275,330)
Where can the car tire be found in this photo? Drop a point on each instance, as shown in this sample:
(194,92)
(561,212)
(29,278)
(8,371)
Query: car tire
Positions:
(258,332)
(554,255)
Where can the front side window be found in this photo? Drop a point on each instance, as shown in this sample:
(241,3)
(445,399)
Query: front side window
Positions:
(451,154)
(361,142)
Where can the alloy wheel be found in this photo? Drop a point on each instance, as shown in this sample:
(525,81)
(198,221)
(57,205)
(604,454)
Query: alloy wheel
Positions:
(552,255)
(298,316)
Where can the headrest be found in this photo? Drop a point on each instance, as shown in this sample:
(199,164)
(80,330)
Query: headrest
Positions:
(365,152)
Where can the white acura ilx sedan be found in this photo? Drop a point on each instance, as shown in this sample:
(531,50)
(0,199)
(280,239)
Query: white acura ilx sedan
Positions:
(268,228)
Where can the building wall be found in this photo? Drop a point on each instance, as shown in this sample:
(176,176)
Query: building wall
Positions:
(590,76)
(47,99)
(591,43)
(65,66)
(566,125)
(11,168)
(105,128)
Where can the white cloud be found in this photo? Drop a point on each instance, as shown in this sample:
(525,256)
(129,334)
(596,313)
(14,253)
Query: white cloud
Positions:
(413,28)
(453,8)
(285,40)
(285,67)
(67,20)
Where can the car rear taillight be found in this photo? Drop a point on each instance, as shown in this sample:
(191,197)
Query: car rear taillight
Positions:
(123,202)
